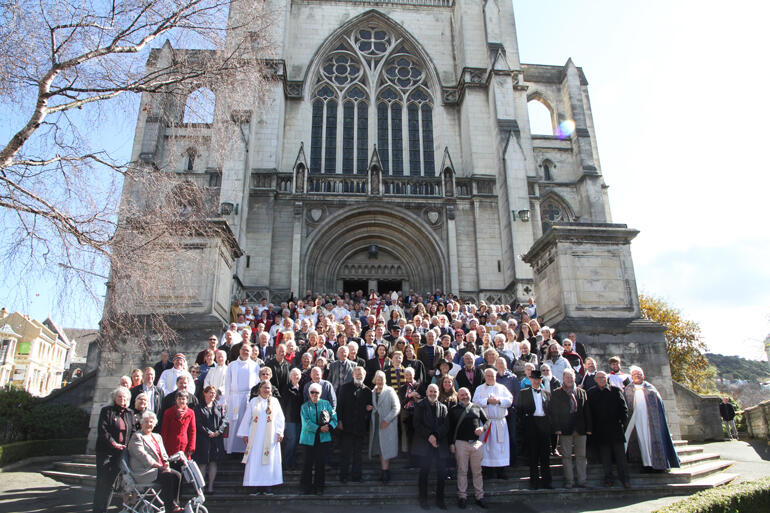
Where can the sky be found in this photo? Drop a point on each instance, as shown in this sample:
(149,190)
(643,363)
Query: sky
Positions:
(678,92)
(679,98)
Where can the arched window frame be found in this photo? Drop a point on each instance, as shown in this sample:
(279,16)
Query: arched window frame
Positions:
(536,97)
(548,169)
(199,106)
(549,205)
(374,48)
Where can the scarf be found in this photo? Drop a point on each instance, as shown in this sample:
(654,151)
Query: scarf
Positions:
(268,440)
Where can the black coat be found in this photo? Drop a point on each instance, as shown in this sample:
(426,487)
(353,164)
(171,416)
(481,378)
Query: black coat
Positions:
(588,382)
(209,421)
(609,412)
(462,380)
(525,409)
(426,423)
(265,353)
(351,408)
(160,367)
(420,373)
(280,373)
(568,423)
(109,429)
(726,411)
(157,399)
(291,401)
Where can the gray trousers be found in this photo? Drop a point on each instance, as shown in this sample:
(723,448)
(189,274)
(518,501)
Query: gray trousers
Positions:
(732,431)
(568,444)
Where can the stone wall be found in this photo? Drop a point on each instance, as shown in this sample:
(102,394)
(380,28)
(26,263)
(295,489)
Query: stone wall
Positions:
(758,420)
(638,342)
(699,418)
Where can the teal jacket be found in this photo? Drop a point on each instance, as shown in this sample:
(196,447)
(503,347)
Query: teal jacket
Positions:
(309,414)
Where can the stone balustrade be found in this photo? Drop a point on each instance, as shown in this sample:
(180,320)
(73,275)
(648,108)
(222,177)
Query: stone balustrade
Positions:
(758,420)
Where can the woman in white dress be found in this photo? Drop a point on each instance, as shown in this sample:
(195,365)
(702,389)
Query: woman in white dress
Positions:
(262,432)
(215,377)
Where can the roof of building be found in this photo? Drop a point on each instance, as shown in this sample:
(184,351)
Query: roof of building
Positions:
(8,331)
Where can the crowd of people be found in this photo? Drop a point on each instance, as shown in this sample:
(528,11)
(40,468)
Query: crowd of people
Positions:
(456,387)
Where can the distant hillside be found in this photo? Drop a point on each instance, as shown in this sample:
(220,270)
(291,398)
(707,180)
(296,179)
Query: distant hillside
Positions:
(735,367)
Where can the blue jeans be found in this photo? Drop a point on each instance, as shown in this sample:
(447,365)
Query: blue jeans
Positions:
(290,440)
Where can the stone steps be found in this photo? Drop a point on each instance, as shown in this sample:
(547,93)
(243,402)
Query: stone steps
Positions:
(699,471)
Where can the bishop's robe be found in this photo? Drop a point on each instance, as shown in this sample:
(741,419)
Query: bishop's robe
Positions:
(496,445)
(240,378)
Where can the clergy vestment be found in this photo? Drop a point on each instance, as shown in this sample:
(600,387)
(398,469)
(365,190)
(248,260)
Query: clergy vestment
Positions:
(648,421)
(496,445)
(240,378)
(263,458)
(167,381)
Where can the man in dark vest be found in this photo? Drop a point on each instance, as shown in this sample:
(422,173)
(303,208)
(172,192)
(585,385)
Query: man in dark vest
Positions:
(353,406)
(430,443)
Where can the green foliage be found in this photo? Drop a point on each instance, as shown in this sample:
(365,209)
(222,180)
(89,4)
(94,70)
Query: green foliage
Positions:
(735,367)
(746,497)
(684,345)
(23,417)
(10,453)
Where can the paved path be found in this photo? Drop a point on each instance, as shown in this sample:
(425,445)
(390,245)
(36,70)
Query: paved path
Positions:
(24,490)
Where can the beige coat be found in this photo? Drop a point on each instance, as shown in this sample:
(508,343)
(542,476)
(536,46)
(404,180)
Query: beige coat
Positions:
(142,457)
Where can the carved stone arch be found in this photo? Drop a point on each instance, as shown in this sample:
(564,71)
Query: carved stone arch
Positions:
(543,98)
(395,231)
(548,168)
(373,16)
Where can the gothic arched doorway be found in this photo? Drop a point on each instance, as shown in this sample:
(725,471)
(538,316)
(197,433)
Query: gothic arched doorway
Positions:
(389,249)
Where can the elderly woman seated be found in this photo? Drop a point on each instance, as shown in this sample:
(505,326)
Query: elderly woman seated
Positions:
(149,463)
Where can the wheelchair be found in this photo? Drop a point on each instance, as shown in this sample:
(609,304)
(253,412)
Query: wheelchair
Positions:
(137,498)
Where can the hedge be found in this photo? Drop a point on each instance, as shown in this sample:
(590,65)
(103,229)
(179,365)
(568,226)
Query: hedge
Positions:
(746,497)
(15,451)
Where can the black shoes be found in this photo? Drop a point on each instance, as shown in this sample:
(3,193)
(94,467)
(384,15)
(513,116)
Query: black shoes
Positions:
(440,504)
(481,503)
(462,503)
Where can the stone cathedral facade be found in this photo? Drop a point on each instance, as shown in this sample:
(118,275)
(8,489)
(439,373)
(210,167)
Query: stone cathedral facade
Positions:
(393,151)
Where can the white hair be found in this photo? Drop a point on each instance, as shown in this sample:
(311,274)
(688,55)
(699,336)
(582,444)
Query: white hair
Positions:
(148,415)
(121,391)
(635,368)
(315,387)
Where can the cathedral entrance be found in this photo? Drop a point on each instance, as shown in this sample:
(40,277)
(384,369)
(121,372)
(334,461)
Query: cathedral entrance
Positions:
(388,286)
(384,247)
(353,286)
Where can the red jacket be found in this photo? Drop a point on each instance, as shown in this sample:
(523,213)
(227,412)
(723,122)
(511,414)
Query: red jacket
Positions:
(178,433)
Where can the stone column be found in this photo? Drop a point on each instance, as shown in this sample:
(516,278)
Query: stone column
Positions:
(585,283)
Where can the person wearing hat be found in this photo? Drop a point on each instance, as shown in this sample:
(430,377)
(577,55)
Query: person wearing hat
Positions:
(533,410)
(167,381)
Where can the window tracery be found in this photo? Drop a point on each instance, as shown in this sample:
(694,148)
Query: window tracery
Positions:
(371,83)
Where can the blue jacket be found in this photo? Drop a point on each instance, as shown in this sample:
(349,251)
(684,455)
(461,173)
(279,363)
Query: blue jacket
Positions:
(310,413)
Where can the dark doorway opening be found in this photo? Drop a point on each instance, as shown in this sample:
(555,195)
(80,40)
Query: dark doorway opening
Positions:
(353,286)
(388,286)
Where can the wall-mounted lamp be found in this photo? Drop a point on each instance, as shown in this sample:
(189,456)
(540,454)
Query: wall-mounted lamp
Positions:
(227,208)
(523,215)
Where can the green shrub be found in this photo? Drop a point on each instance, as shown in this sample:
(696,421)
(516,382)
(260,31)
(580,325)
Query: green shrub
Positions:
(24,417)
(746,497)
(10,453)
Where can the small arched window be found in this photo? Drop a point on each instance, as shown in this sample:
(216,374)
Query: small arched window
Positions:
(190,153)
(199,106)
(548,170)
(552,211)
(540,117)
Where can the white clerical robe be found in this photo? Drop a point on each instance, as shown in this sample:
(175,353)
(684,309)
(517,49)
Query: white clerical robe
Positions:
(496,444)
(258,473)
(215,377)
(642,425)
(167,381)
(240,378)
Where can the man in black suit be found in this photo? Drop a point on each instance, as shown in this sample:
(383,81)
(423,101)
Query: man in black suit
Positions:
(431,443)
(431,353)
(153,393)
(469,376)
(534,413)
(353,407)
(265,352)
(609,412)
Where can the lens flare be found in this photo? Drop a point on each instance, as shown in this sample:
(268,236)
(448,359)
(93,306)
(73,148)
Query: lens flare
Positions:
(565,129)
